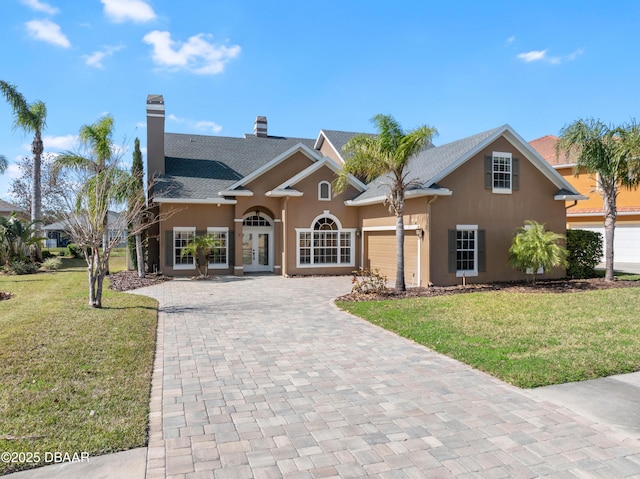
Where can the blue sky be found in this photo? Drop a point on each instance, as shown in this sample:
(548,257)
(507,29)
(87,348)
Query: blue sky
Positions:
(461,66)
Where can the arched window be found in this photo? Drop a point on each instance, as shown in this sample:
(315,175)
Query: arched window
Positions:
(324,191)
(326,243)
(256,220)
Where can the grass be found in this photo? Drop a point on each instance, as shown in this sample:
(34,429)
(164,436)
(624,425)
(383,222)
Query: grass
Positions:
(74,379)
(525,339)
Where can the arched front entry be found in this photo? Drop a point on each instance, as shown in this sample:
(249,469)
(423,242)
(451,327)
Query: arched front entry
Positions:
(257,243)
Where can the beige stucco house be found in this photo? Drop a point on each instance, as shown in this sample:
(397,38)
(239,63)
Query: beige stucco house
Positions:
(269,201)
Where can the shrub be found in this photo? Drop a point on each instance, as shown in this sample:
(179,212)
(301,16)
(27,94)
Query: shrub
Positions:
(585,252)
(52,263)
(535,248)
(46,254)
(366,281)
(74,251)
(22,267)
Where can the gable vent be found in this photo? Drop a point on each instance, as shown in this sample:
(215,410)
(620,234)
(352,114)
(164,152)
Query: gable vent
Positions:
(260,126)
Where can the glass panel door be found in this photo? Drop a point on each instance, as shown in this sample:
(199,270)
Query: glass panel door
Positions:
(247,249)
(257,254)
(263,249)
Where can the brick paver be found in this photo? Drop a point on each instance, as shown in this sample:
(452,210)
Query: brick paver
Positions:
(263,377)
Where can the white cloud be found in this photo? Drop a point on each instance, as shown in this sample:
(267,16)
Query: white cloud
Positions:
(533,56)
(48,31)
(208,126)
(197,55)
(120,11)
(40,6)
(13,170)
(511,39)
(59,143)
(95,59)
(541,55)
(202,125)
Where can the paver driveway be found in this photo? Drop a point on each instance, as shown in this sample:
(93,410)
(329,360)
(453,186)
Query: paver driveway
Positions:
(264,377)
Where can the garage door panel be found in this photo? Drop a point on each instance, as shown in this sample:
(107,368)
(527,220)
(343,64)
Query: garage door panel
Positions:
(381,255)
(626,242)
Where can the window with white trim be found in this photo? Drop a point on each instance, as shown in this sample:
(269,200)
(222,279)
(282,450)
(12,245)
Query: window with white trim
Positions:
(324,191)
(466,250)
(326,243)
(219,257)
(182,236)
(501,167)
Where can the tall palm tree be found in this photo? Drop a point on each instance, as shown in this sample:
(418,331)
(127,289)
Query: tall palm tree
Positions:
(32,118)
(386,154)
(97,141)
(3,164)
(610,153)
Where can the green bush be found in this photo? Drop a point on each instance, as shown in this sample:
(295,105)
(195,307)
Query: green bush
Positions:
(585,252)
(46,254)
(74,251)
(22,267)
(52,263)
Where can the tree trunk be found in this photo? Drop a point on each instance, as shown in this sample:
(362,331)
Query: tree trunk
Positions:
(37,148)
(99,283)
(610,214)
(400,285)
(139,255)
(92,284)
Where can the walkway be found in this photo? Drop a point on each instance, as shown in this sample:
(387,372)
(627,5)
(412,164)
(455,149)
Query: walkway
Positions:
(263,377)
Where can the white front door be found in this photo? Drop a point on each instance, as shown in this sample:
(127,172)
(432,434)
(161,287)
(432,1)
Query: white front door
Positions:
(257,249)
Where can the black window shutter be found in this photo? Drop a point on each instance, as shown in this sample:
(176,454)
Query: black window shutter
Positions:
(452,250)
(515,174)
(488,172)
(482,252)
(168,248)
(231,248)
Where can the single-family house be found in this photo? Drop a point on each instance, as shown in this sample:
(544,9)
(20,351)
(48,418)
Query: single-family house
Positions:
(58,236)
(8,209)
(589,214)
(269,201)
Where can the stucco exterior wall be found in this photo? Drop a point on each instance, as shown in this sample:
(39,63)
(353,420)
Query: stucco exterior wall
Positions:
(498,214)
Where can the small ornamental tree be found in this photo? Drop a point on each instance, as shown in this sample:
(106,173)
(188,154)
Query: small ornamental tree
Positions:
(201,246)
(585,252)
(534,248)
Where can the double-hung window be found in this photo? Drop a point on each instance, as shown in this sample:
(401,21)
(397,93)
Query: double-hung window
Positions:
(466,250)
(219,257)
(501,172)
(182,236)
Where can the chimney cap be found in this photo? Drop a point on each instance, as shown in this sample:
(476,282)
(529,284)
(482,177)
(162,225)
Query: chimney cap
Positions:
(155,100)
(260,126)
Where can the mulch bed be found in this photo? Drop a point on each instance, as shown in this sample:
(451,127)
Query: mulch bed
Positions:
(541,286)
(128,280)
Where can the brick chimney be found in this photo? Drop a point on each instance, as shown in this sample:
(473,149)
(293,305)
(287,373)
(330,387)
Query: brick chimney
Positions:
(260,126)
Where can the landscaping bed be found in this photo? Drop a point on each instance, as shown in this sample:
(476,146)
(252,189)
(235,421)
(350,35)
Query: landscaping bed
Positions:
(541,286)
(128,280)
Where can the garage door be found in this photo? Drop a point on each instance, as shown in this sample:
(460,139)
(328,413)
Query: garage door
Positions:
(626,242)
(381,254)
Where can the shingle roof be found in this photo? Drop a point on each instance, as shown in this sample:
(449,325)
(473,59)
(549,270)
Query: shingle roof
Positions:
(5,206)
(426,167)
(199,166)
(340,138)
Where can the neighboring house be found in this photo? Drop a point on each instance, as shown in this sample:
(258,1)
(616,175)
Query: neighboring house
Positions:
(7,209)
(57,235)
(589,215)
(269,201)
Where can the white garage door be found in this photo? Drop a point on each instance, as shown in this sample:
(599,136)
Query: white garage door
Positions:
(626,242)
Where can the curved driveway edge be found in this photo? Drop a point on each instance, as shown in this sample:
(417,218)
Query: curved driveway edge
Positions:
(264,377)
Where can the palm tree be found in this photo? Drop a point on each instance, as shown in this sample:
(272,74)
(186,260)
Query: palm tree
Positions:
(3,164)
(388,153)
(535,248)
(610,153)
(201,245)
(32,118)
(97,140)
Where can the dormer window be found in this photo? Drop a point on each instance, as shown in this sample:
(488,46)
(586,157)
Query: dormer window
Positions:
(324,191)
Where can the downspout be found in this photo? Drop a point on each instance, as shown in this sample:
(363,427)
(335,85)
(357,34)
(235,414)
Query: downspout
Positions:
(428,233)
(575,202)
(285,267)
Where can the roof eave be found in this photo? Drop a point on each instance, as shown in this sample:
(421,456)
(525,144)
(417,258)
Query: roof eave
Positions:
(418,193)
(195,201)
(235,193)
(283,193)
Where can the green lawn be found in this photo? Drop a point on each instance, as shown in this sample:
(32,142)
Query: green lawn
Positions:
(74,379)
(526,339)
